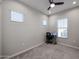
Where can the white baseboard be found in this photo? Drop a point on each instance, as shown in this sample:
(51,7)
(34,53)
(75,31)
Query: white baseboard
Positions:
(16,54)
(75,47)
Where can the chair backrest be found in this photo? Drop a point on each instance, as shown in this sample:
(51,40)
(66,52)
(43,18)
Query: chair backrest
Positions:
(48,35)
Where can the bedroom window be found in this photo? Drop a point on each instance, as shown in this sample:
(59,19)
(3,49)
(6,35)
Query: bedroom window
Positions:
(16,16)
(62,28)
(44,22)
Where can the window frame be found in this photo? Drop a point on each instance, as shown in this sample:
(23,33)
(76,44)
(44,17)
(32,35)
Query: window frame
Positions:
(63,28)
(14,18)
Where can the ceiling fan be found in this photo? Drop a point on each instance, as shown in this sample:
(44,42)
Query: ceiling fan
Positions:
(52,4)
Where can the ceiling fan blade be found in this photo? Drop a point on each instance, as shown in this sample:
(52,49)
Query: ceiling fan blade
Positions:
(49,8)
(50,1)
(59,3)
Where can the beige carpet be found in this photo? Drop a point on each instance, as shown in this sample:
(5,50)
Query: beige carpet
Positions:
(50,51)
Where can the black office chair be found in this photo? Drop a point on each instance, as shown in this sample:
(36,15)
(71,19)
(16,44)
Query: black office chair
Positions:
(49,37)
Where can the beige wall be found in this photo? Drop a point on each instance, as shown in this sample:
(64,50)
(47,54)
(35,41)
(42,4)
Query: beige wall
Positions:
(21,36)
(0,32)
(0,28)
(73,22)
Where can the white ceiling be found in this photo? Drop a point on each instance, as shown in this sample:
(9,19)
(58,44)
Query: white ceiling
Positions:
(42,5)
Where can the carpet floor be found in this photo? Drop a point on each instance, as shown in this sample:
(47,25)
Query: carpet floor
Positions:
(50,51)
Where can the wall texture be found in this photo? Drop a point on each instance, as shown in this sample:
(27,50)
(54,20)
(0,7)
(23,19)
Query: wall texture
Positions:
(73,22)
(21,36)
(0,28)
(0,31)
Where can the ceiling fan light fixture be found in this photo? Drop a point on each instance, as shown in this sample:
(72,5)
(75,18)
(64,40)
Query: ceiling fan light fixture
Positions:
(52,5)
